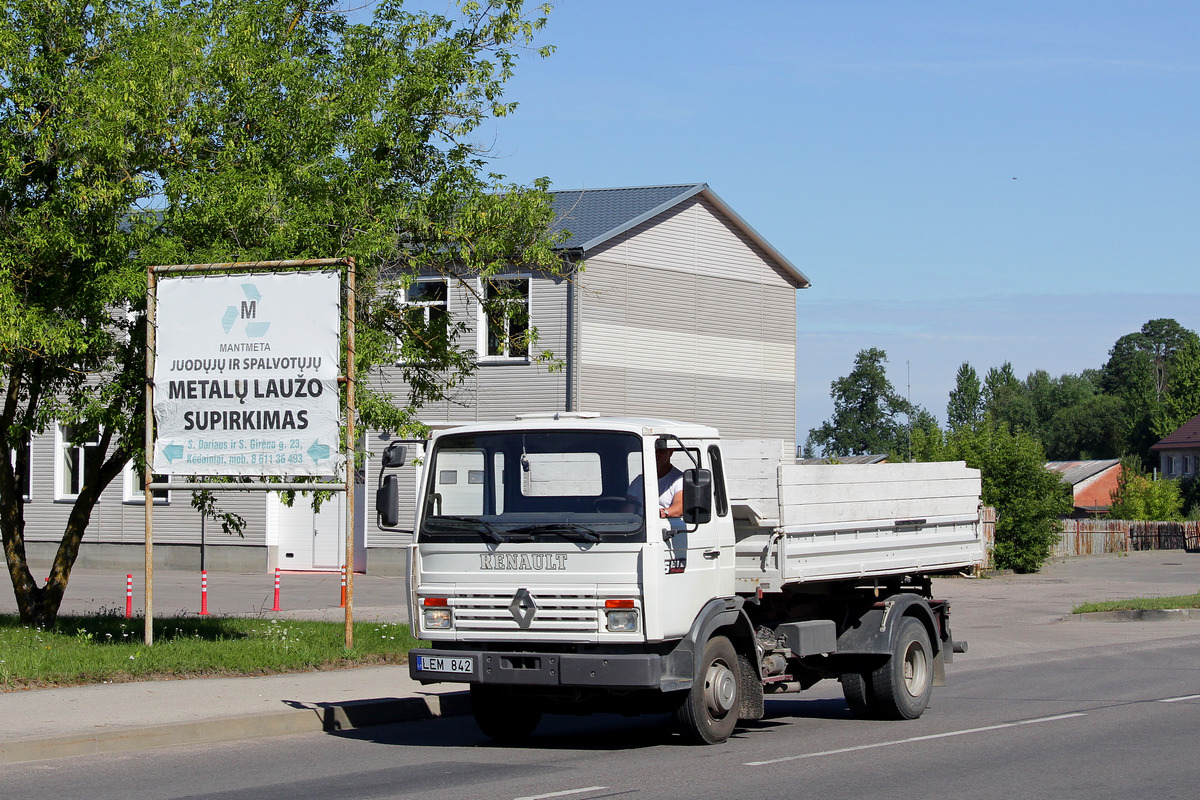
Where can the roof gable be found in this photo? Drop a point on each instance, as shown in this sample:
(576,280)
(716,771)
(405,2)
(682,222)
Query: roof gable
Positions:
(1186,435)
(595,216)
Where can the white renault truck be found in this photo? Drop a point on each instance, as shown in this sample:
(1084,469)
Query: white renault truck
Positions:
(544,582)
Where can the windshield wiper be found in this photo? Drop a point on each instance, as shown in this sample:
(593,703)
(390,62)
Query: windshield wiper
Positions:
(564,529)
(485,526)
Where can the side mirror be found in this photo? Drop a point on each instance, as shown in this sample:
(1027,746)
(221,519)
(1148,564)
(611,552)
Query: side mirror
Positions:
(387,502)
(697,496)
(394,455)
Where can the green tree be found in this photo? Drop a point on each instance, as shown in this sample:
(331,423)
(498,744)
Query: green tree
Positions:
(1007,401)
(1139,371)
(1091,428)
(1182,400)
(1138,497)
(966,399)
(253,129)
(1029,499)
(867,412)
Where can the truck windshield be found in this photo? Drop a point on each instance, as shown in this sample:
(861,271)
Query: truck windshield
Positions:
(534,486)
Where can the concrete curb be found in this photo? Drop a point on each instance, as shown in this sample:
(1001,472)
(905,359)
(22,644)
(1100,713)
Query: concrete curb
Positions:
(1138,615)
(323,717)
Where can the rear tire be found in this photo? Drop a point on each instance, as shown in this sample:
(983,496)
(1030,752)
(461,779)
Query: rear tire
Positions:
(501,716)
(903,684)
(709,712)
(860,695)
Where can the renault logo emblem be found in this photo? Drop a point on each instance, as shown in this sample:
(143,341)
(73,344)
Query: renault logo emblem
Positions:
(523,608)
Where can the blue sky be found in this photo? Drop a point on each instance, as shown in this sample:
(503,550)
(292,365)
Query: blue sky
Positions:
(973,182)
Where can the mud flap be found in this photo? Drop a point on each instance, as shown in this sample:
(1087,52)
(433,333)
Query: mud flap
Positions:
(751,690)
(939,667)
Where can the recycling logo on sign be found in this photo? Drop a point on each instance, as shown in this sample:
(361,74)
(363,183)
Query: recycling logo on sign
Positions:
(248,311)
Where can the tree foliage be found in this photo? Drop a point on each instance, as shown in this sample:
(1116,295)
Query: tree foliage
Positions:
(1139,371)
(1006,399)
(867,412)
(1182,400)
(965,407)
(135,132)
(1029,499)
(1138,497)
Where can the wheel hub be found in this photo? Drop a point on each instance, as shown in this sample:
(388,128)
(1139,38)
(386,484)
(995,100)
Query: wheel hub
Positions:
(720,689)
(916,670)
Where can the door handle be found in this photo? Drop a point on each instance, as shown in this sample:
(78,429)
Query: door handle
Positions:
(711,554)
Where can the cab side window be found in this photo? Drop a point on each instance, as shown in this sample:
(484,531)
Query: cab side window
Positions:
(720,498)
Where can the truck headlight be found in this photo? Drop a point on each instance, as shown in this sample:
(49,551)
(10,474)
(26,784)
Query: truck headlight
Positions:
(438,619)
(623,621)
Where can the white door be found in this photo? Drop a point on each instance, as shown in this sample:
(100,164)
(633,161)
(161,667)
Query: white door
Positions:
(329,541)
(308,540)
(693,564)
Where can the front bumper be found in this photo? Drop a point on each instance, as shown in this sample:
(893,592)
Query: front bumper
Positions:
(625,671)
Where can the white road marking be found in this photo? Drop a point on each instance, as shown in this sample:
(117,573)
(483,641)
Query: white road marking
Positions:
(563,793)
(917,739)
(1181,699)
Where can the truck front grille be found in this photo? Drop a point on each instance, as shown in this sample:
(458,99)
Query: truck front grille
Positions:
(537,611)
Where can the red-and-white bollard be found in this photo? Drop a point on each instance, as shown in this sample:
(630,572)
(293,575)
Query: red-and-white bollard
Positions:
(343,603)
(203,592)
(276,606)
(129,596)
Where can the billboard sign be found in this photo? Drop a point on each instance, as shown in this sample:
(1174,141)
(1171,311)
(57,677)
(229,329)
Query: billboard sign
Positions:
(245,375)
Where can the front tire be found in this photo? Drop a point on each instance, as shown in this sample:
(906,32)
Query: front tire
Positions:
(501,716)
(709,712)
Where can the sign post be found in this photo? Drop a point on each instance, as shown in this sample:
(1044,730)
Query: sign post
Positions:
(242,368)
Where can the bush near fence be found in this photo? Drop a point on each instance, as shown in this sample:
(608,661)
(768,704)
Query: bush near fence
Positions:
(1085,537)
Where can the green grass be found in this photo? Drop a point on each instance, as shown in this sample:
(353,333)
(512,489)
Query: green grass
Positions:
(106,648)
(1141,604)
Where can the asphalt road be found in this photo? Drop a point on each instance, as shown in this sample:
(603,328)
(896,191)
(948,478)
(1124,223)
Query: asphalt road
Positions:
(1114,721)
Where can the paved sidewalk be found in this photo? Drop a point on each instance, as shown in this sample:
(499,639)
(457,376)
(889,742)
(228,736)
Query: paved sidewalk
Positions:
(1006,618)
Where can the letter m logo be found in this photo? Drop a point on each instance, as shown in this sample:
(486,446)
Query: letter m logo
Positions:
(249,309)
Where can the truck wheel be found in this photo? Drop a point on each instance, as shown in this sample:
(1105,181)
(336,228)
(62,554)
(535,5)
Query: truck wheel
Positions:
(501,716)
(709,712)
(902,685)
(860,695)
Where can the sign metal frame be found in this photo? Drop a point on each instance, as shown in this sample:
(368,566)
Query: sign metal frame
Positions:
(347,380)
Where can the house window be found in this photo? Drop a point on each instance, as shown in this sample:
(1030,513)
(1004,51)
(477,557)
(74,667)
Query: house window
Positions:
(75,457)
(504,318)
(24,481)
(135,486)
(426,316)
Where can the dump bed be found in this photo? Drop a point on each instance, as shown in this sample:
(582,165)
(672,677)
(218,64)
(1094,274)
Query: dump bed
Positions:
(802,523)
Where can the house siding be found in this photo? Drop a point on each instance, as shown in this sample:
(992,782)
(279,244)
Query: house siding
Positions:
(116,521)
(683,316)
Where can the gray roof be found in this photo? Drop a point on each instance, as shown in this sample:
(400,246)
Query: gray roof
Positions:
(866,459)
(594,216)
(1076,472)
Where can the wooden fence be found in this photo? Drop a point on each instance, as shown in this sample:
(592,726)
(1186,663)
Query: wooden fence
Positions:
(1085,537)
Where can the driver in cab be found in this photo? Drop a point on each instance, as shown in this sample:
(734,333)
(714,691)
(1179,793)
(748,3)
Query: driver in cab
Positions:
(670,487)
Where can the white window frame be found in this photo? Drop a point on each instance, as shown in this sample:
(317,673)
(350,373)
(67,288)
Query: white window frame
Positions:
(61,490)
(482,320)
(425,305)
(134,492)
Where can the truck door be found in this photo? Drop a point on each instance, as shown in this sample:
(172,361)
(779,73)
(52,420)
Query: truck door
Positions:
(697,567)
